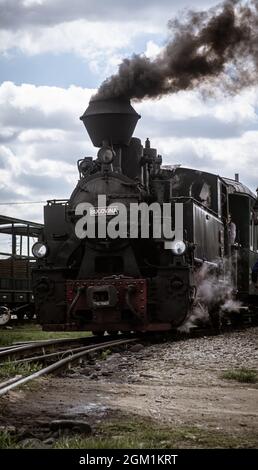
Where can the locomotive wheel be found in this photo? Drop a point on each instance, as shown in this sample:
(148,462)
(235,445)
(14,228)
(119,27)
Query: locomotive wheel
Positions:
(20,316)
(5,315)
(215,319)
(30,315)
(98,333)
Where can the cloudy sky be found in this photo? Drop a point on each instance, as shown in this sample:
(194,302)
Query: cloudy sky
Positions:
(53,56)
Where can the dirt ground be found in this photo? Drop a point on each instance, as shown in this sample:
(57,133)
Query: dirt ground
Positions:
(175,383)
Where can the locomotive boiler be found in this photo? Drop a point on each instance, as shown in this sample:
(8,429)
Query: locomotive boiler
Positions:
(136,283)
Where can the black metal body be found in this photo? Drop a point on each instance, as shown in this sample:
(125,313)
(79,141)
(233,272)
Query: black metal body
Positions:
(137,284)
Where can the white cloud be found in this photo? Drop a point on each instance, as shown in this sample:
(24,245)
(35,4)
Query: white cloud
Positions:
(46,99)
(98,31)
(80,36)
(29,12)
(42,138)
(49,135)
(28,106)
(219,156)
(29,3)
(152,50)
(186,104)
(5,153)
(96,41)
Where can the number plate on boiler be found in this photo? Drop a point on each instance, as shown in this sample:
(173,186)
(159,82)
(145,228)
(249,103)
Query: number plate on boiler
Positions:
(99,211)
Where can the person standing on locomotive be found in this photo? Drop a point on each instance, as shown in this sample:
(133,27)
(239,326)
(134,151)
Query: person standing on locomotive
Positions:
(231,227)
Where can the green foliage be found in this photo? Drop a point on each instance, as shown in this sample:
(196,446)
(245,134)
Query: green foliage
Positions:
(241,375)
(105,354)
(135,432)
(140,433)
(9,369)
(32,332)
(6,440)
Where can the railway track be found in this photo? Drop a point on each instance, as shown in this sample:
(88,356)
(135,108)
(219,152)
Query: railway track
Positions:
(20,349)
(56,354)
(68,356)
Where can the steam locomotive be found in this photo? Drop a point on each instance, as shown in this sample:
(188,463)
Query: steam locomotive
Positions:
(145,283)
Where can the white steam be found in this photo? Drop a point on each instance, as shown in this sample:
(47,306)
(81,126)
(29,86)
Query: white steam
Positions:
(215,292)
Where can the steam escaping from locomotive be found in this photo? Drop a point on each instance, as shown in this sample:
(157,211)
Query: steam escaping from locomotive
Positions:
(216,294)
(219,43)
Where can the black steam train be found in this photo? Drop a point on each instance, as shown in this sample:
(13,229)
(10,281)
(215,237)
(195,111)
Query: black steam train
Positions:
(140,283)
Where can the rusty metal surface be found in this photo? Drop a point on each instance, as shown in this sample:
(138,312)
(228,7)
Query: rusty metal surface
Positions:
(121,284)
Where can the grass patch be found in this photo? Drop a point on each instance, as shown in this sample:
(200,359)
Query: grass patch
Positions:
(135,432)
(241,375)
(6,440)
(140,433)
(104,354)
(8,369)
(32,332)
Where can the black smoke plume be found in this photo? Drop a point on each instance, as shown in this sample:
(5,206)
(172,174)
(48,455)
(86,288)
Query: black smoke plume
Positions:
(219,46)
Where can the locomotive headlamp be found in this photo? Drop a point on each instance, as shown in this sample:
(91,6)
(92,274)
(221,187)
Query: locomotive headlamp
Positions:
(178,247)
(106,155)
(39,250)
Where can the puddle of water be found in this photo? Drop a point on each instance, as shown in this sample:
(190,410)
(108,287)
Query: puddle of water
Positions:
(88,408)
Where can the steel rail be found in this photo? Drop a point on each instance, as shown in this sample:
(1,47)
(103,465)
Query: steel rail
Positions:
(45,342)
(12,350)
(9,381)
(45,356)
(57,340)
(63,362)
(9,348)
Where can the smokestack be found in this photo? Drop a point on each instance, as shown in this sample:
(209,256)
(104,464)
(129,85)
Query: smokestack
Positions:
(237,177)
(111,121)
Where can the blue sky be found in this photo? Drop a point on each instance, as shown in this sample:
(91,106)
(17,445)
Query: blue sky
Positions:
(46,69)
(53,56)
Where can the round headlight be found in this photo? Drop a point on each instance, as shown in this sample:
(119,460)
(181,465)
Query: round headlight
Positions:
(39,250)
(106,155)
(178,247)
